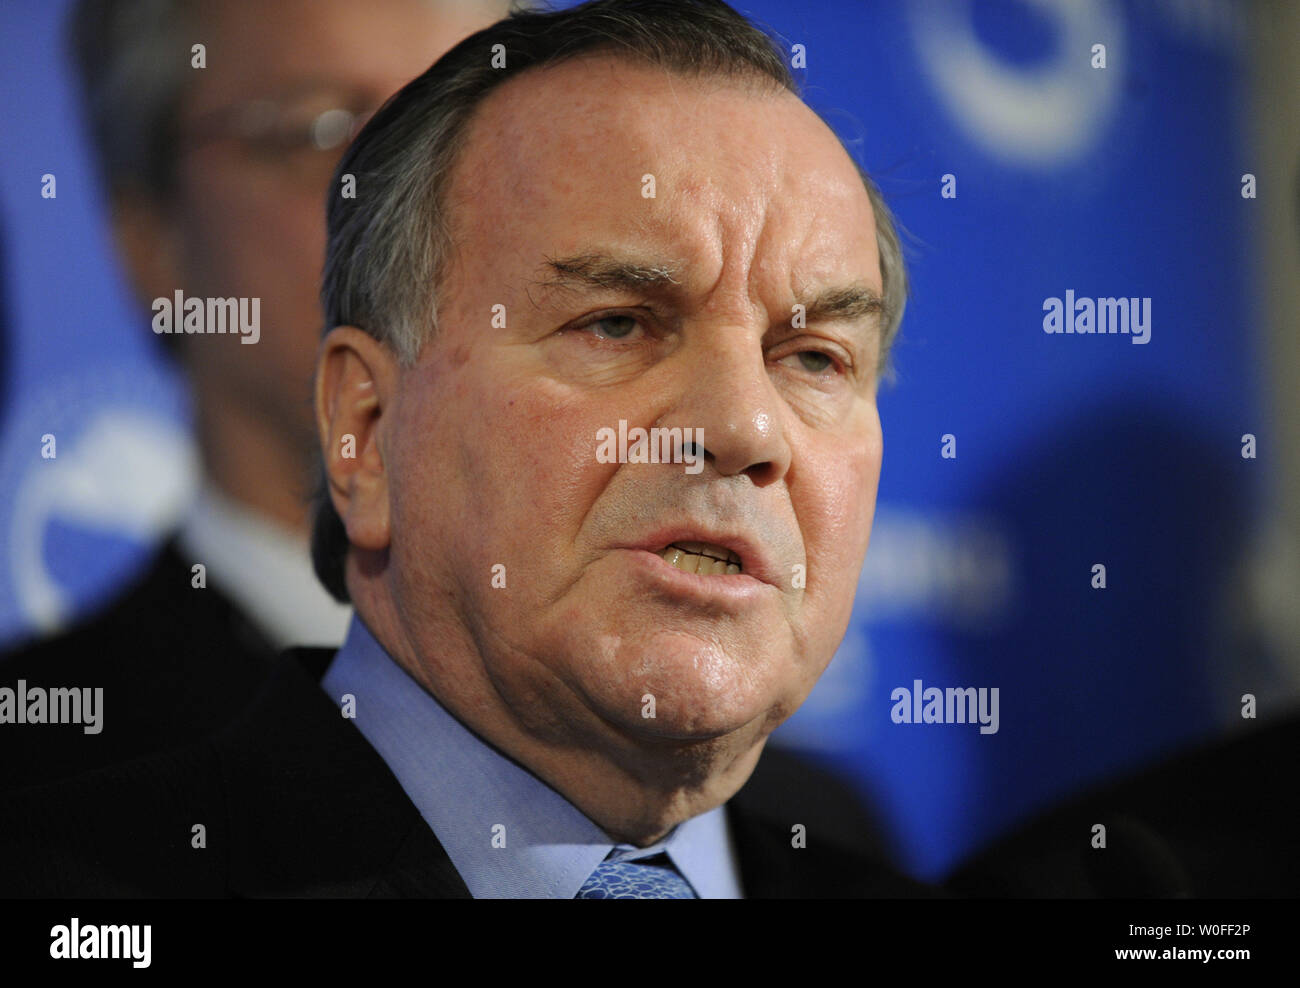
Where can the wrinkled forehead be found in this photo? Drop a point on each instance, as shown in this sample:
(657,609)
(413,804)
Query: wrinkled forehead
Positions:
(607,148)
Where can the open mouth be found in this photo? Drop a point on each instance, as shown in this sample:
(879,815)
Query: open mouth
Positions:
(702,558)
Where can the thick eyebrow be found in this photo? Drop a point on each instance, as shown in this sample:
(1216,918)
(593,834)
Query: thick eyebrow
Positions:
(594,271)
(603,271)
(846,304)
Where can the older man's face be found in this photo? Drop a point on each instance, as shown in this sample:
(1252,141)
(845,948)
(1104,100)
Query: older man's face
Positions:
(491,451)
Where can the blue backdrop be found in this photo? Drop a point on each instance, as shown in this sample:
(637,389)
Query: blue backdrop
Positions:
(1070,450)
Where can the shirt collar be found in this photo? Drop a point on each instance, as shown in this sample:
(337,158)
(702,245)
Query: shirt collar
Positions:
(265,568)
(508,834)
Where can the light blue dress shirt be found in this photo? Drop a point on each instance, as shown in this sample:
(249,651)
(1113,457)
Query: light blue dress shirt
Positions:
(469,794)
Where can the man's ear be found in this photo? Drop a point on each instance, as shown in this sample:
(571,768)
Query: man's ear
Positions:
(356,379)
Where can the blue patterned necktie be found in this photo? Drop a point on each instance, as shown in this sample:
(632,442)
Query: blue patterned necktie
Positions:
(650,878)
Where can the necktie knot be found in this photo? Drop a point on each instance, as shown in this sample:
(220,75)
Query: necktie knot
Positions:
(650,878)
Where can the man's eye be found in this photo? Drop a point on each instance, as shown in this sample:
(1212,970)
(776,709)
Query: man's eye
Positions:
(612,327)
(813,361)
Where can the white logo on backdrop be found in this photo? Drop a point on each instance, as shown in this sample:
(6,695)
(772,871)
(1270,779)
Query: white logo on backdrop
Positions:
(1042,115)
(127,473)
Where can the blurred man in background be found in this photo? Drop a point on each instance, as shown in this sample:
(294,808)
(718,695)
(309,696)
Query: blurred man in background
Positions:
(217,126)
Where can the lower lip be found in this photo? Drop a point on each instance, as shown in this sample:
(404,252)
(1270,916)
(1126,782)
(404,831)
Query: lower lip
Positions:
(737,588)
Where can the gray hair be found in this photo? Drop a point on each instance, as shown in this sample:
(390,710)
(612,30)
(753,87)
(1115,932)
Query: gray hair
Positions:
(389,248)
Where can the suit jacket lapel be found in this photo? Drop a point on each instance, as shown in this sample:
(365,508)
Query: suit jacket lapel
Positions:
(314,810)
(841,853)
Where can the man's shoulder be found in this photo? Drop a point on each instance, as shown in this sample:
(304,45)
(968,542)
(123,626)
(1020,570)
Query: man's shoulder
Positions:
(174,662)
(1217,821)
(801,831)
(158,610)
(286,800)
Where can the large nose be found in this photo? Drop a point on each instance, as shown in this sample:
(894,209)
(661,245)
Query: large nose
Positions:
(728,394)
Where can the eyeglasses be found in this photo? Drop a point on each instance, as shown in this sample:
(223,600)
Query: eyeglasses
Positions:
(273,129)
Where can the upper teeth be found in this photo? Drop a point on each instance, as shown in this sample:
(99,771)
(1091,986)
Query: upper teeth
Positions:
(703,558)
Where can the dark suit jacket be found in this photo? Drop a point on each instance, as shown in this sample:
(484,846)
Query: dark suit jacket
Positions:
(175,664)
(294,802)
(1220,821)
